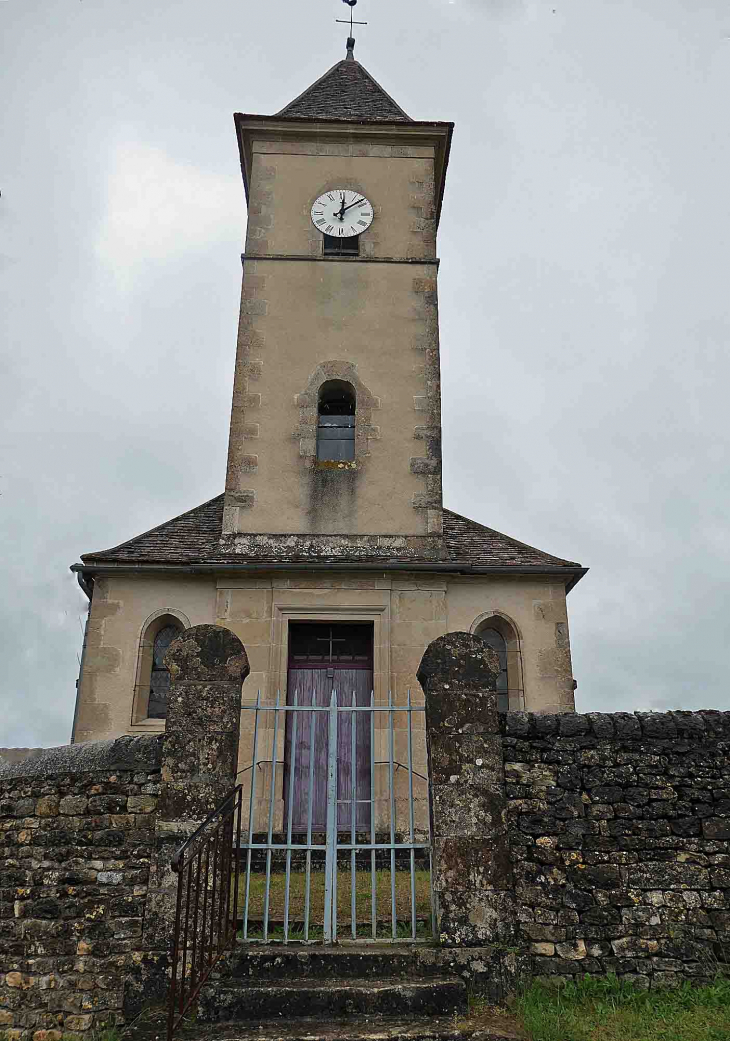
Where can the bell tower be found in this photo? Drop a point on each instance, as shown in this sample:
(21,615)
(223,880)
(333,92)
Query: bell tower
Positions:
(335,437)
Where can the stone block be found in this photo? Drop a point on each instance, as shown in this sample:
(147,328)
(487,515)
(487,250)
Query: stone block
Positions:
(474,919)
(465,758)
(110,878)
(634,947)
(80,1023)
(472,864)
(536,775)
(141,803)
(467,811)
(574,951)
(47,806)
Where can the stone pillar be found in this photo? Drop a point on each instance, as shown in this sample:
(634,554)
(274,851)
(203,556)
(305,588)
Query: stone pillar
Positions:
(473,883)
(207,666)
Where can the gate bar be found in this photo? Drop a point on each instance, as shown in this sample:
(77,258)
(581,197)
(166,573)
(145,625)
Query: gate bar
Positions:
(271,818)
(308,883)
(373,877)
(292,768)
(391,758)
(353,792)
(411,816)
(251,805)
(331,836)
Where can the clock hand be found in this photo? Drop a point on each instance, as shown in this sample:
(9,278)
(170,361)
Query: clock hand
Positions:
(340,215)
(358,203)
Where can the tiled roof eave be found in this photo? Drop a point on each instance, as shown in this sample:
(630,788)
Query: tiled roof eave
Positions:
(256,117)
(95,566)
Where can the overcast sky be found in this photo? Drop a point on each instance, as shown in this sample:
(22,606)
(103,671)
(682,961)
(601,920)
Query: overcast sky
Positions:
(585,315)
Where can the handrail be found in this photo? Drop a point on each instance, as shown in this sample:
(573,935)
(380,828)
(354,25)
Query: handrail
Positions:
(207,903)
(176,861)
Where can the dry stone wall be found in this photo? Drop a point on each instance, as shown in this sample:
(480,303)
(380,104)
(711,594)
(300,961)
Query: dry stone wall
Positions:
(619,827)
(76,838)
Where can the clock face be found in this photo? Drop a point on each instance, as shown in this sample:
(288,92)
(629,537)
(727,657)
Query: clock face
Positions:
(342,213)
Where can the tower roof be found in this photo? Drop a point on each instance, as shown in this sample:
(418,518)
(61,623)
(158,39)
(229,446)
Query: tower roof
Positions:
(346,92)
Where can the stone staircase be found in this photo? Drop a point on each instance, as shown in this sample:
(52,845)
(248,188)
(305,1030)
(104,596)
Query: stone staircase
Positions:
(367,993)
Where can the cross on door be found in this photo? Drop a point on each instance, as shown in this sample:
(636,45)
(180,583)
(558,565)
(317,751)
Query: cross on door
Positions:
(332,640)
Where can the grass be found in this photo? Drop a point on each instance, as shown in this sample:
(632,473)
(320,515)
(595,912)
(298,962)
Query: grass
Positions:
(363,899)
(605,1009)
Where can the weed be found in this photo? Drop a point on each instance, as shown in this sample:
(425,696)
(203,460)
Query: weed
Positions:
(606,1009)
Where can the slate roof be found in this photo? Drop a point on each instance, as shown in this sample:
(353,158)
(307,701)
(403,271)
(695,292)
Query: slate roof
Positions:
(346,92)
(192,538)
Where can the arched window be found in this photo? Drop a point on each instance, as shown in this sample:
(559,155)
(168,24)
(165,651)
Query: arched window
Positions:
(336,424)
(153,679)
(498,643)
(498,634)
(159,676)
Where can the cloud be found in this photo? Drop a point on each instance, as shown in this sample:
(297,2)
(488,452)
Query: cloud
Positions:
(483,8)
(583,303)
(158,206)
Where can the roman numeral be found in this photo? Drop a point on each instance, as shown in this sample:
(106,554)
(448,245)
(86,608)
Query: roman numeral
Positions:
(367,214)
(329,229)
(363,222)
(318,213)
(330,197)
(321,221)
(341,230)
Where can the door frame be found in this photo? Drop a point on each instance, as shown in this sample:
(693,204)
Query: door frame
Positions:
(366,610)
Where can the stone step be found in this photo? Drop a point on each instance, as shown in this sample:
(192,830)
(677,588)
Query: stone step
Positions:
(360,1028)
(264,962)
(242,1000)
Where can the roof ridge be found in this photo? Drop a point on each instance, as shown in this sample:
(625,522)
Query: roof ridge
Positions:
(513,541)
(157,527)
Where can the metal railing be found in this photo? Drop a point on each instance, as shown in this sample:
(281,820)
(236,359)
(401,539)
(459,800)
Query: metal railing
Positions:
(367,844)
(207,901)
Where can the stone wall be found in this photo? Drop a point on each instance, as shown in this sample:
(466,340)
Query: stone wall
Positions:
(619,828)
(76,838)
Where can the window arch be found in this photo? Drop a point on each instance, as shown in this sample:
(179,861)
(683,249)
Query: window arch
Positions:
(336,422)
(499,634)
(153,679)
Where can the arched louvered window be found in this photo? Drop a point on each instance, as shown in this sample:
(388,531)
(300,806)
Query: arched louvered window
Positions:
(336,423)
(159,676)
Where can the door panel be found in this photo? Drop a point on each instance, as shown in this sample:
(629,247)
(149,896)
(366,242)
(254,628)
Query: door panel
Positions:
(314,687)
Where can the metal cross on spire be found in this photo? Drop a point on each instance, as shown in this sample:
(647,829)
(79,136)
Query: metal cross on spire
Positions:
(352,23)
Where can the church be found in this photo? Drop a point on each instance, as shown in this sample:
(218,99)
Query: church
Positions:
(330,553)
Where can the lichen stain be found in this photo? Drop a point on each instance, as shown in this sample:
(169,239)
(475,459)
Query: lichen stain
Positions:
(332,498)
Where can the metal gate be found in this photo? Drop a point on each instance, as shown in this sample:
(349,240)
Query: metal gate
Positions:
(365,874)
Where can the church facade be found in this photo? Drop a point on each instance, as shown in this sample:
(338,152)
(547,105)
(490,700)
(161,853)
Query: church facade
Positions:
(329,553)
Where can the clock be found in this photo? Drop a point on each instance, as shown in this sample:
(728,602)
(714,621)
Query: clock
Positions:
(342,213)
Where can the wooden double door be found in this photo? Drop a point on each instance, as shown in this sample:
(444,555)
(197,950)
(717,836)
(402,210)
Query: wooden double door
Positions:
(326,659)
